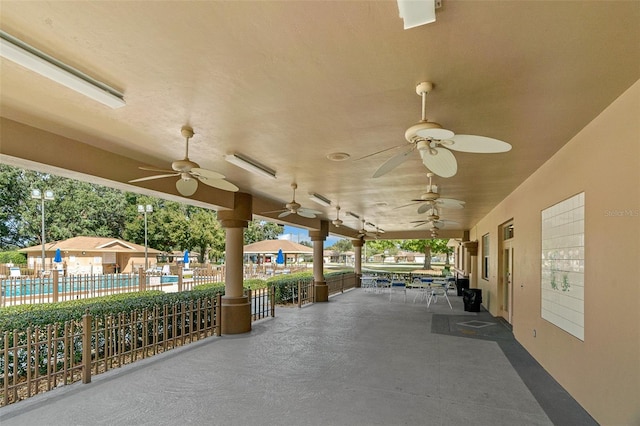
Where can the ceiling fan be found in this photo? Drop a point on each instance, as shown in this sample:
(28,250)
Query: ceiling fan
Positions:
(431,199)
(364,232)
(295,208)
(434,144)
(190,173)
(434,221)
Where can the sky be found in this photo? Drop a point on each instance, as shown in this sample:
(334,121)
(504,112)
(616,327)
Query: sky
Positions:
(298,234)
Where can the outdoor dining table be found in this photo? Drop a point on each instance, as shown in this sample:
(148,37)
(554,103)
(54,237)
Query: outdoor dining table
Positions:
(430,289)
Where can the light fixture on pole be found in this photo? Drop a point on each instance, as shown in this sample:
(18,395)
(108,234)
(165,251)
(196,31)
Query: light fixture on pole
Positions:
(144,210)
(40,195)
(37,61)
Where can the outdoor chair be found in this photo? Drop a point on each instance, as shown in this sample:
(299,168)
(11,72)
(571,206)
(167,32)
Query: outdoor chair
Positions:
(424,287)
(14,272)
(397,286)
(382,285)
(368,283)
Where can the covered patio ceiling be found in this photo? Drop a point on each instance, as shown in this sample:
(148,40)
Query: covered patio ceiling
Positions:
(288,83)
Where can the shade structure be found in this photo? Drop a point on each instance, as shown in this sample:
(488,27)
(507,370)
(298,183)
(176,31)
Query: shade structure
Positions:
(58,257)
(280,258)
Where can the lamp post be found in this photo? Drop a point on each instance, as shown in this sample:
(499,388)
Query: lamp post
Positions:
(46,195)
(145,209)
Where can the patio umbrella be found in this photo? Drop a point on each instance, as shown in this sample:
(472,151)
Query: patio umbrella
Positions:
(57,258)
(280,258)
(186,257)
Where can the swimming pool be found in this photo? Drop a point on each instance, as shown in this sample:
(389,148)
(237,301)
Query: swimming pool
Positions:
(27,286)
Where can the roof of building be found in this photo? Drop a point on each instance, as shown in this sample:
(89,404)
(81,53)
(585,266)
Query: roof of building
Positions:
(92,244)
(272,246)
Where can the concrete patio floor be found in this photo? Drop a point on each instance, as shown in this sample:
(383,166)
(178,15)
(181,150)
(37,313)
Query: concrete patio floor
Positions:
(360,359)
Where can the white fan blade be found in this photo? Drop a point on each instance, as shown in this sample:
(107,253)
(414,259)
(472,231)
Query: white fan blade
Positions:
(219,183)
(443,164)
(445,223)
(450,203)
(155,169)
(393,162)
(187,187)
(415,13)
(407,205)
(306,213)
(309,210)
(154,177)
(424,208)
(284,214)
(478,144)
(205,173)
(381,151)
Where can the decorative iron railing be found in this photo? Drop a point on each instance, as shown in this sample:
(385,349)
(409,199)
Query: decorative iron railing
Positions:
(36,360)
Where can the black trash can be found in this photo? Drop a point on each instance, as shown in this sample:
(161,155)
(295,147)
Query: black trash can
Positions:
(461,285)
(472,298)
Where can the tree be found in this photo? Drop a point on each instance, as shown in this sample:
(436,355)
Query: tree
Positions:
(12,207)
(427,247)
(79,208)
(206,234)
(342,245)
(260,230)
(388,247)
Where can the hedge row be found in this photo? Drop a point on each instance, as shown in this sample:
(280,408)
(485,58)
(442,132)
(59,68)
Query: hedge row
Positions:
(40,315)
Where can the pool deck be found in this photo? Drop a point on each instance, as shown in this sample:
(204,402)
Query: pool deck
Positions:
(360,359)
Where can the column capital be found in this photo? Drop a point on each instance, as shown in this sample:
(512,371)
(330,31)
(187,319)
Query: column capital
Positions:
(241,214)
(320,234)
(357,243)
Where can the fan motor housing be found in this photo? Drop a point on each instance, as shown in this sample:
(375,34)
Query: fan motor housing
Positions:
(184,165)
(430,196)
(293,207)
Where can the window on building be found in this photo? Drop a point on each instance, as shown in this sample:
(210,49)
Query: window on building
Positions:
(508,232)
(485,256)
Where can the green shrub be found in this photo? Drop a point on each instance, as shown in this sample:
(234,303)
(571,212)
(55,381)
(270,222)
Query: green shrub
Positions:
(255,284)
(40,315)
(14,257)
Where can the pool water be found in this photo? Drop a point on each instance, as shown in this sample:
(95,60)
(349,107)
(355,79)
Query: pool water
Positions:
(84,283)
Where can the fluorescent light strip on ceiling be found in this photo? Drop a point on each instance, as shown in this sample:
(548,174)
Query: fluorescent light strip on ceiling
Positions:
(250,165)
(31,58)
(323,201)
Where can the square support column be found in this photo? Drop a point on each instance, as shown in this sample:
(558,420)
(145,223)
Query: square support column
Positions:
(236,307)
(357,267)
(320,286)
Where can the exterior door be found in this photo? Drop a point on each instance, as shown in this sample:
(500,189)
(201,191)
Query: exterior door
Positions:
(506,301)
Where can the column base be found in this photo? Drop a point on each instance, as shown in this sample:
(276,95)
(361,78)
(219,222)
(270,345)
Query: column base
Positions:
(321,291)
(358,280)
(236,315)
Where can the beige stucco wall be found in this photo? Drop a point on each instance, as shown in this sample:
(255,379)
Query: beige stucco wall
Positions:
(603,160)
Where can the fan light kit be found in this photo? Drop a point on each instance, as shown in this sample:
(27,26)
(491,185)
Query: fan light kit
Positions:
(188,170)
(337,222)
(323,201)
(37,61)
(434,144)
(250,165)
